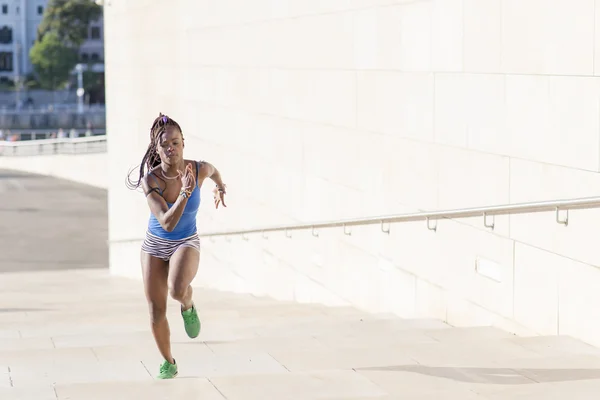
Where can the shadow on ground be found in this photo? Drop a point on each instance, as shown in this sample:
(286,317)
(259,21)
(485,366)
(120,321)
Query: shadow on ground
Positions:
(51,224)
(497,376)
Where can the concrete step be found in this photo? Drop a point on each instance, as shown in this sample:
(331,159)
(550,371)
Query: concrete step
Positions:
(85,335)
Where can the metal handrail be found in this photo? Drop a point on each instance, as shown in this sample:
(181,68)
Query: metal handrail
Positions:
(42,147)
(37,142)
(429,216)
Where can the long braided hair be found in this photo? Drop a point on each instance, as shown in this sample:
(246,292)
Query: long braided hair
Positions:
(151,158)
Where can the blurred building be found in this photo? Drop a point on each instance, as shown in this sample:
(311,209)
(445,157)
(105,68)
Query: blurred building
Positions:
(19,20)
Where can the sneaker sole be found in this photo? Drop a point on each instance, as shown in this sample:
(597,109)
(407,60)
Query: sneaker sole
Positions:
(193,337)
(164,379)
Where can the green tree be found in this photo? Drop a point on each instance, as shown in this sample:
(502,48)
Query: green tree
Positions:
(52,61)
(70,20)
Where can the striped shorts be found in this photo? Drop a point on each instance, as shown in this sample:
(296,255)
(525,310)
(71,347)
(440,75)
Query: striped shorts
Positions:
(164,248)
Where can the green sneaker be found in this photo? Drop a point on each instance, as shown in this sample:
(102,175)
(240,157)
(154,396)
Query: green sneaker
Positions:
(191,321)
(168,370)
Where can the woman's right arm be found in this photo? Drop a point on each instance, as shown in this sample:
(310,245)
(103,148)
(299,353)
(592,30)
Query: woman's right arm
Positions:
(167,217)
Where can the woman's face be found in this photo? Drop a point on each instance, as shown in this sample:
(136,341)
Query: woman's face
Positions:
(170,146)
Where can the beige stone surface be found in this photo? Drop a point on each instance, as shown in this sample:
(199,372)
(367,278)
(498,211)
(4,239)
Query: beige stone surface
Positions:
(317,110)
(93,342)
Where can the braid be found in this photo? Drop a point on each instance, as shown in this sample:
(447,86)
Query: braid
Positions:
(151,158)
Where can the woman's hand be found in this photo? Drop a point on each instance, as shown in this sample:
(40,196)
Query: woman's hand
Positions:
(188,180)
(219,196)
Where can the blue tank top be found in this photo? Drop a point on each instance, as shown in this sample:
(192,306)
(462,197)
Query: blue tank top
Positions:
(186,226)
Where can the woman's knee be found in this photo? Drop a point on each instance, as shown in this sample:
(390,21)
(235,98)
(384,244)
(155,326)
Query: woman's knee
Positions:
(158,312)
(178,292)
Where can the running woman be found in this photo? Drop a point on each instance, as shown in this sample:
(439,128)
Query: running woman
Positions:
(170,253)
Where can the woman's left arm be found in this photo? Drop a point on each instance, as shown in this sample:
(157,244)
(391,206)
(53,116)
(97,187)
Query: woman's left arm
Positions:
(207,170)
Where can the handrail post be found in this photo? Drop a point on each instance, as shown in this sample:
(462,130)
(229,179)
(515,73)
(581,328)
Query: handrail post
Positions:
(348,232)
(485,223)
(430,227)
(384,230)
(565,221)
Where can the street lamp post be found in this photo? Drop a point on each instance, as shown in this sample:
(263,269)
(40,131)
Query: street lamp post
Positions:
(18,78)
(80,89)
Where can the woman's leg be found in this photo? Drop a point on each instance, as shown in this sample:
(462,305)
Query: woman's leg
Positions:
(183,269)
(156,272)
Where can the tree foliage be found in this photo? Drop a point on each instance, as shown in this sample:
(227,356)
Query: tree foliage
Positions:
(52,61)
(69,19)
(64,27)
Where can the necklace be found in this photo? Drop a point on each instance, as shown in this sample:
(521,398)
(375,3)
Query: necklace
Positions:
(167,177)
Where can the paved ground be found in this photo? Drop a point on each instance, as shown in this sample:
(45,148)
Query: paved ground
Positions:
(80,334)
(72,335)
(48,224)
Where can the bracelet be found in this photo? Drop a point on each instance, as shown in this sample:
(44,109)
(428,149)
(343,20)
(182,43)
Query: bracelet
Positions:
(222,190)
(185,193)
